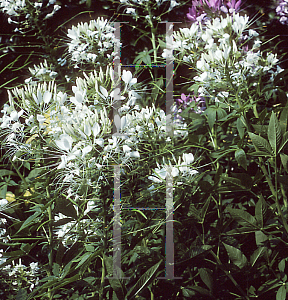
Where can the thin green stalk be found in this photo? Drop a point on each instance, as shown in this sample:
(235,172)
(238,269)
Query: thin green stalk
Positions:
(153,41)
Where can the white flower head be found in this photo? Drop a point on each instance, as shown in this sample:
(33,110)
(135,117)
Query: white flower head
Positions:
(188,158)
(127,78)
(65,142)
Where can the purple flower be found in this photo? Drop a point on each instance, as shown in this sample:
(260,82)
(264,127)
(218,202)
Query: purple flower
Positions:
(282,11)
(233,5)
(214,4)
(200,8)
(185,101)
(196,12)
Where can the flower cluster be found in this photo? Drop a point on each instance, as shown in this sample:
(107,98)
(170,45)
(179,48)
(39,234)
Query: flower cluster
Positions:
(71,129)
(282,11)
(181,170)
(40,73)
(202,8)
(229,52)
(16,8)
(92,42)
(149,124)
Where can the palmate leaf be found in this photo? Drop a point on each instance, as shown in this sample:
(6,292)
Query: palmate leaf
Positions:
(260,143)
(236,256)
(143,281)
(274,132)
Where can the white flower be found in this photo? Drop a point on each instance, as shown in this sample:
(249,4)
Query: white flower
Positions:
(127,78)
(188,158)
(86,150)
(130,10)
(47,97)
(126,148)
(3,202)
(65,142)
(63,163)
(134,154)
(41,119)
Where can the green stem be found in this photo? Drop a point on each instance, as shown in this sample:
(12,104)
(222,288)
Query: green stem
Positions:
(153,41)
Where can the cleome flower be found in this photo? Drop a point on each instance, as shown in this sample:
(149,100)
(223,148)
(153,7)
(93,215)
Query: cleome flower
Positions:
(181,170)
(92,43)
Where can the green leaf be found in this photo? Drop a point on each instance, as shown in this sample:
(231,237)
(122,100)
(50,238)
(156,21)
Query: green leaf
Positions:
(201,291)
(260,211)
(260,129)
(117,284)
(281,265)
(211,116)
(221,113)
(240,157)
(188,293)
(260,153)
(260,238)
(3,191)
(83,259)
(242,217)
(283,119)
(268,285)
(32,219)
(281,293)
(21,295)
(259,252)
(284,160)
(204,209)
(241,124)
(284,141)
(144,281)
(14,254)
(194,254)
(55,269)
(206,276)
(4,172)
(274,132)
(260,143)
(236,256)
(60,253)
